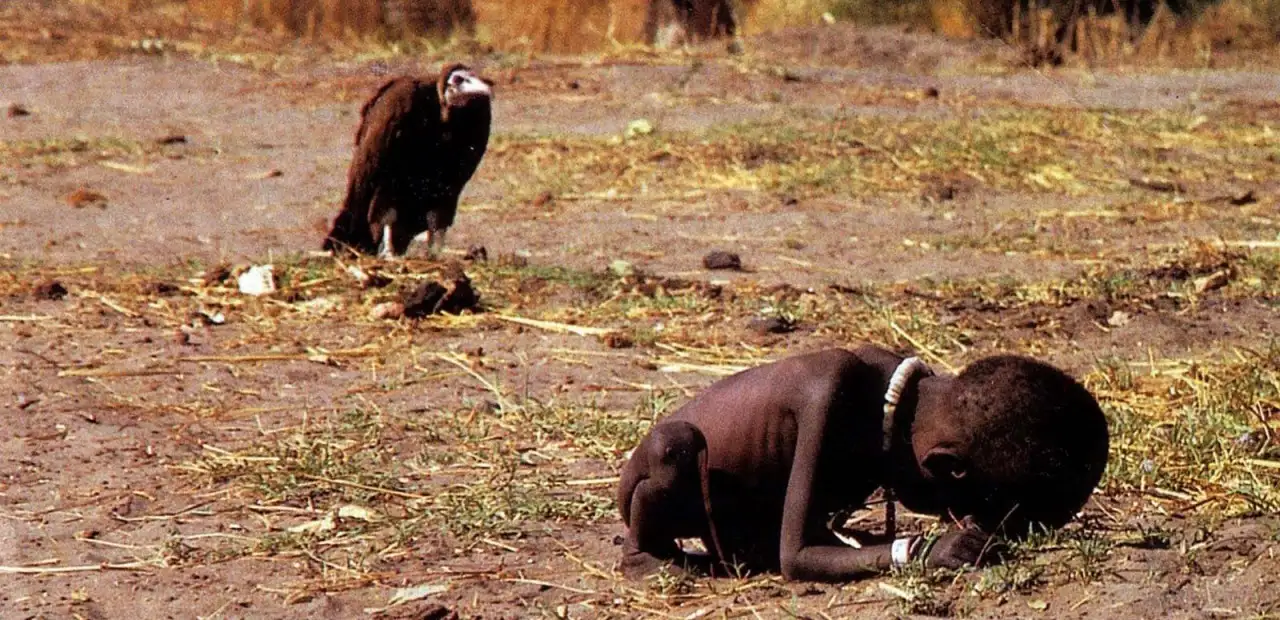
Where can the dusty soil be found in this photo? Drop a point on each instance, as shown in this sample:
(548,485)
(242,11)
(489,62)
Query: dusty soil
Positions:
(116,402)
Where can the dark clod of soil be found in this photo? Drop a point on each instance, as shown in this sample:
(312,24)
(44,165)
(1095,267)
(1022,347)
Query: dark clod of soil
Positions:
(18,110)
(543,199)
(477,254)
(84,197)
(1097,310)
(771,325)
(947,187)
(942,193)
(217,275)
(720,259)
(1182,270)
(1246,198)
(376,280)
(783,291)
(176,138)
(617,340)
(931,92)
(418,610)
(160,289)
(52,290)
(424,300)
(452,297)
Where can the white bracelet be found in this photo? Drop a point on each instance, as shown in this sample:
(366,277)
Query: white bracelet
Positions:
(900,553)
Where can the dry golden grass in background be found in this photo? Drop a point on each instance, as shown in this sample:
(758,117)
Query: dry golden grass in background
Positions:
(561,26)
(577,26)
(564,26)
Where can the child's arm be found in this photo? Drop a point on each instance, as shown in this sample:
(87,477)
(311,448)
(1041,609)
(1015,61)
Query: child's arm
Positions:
(802,561)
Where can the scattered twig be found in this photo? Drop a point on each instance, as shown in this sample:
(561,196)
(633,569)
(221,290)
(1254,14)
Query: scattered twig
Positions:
(104,300)
(552,326)
(109,372)
(16,318)
(166,517)
(365,487)
(920,346)
(279,357)
(454,359)
(593,482)
(501,545)
(548,584)
(54,570)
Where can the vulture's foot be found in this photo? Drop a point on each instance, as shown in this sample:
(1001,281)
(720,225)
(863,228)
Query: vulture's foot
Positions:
(435,242)
(385,251)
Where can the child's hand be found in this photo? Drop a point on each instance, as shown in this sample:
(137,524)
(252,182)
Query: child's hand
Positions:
(958,549)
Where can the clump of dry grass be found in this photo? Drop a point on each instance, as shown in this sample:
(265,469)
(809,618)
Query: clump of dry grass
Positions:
(1016,149)
(1055,31)
(1196,434)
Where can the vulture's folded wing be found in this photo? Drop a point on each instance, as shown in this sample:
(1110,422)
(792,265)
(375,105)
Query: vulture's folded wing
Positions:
(395,124)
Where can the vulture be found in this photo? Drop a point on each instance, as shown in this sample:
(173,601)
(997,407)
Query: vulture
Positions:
(418,144)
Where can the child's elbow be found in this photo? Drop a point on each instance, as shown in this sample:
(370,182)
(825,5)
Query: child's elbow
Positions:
(790,566)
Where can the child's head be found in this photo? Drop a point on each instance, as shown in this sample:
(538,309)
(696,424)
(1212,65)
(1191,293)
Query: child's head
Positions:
(1009,442)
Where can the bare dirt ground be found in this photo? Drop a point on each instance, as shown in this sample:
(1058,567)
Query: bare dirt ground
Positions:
(172,448)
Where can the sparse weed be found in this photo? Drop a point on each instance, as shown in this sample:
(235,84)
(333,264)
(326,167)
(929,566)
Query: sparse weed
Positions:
(670,582)
(918,591)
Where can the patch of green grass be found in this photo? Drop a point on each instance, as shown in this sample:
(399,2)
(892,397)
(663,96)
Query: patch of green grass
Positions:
(297,468)
(67,152)
(352,459)
(578,279)
(1010,577)
(511,503)
(921,591)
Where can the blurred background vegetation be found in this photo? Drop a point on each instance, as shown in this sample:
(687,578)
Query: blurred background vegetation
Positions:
(572,26)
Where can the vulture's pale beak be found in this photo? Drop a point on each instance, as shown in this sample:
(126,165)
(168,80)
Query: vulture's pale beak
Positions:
(464,86)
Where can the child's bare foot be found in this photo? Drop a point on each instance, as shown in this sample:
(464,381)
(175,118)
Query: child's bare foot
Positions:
(638,564)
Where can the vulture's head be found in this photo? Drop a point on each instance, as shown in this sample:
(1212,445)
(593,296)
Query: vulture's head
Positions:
(460,86)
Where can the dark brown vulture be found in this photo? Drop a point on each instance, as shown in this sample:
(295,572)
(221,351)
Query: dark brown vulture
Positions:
(417,146)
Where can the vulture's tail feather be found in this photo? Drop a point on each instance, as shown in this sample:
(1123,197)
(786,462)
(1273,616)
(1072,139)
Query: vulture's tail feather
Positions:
(350,231)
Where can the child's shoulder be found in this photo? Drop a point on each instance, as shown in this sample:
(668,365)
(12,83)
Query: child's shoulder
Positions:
(836,359)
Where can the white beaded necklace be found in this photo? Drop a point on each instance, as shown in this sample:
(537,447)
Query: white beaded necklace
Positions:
(905,371)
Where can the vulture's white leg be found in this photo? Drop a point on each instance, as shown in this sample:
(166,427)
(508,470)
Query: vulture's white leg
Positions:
(384,247)
(440,247)
(431,243)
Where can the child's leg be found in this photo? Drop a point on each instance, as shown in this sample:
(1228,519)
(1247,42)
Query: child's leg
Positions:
(661,496)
